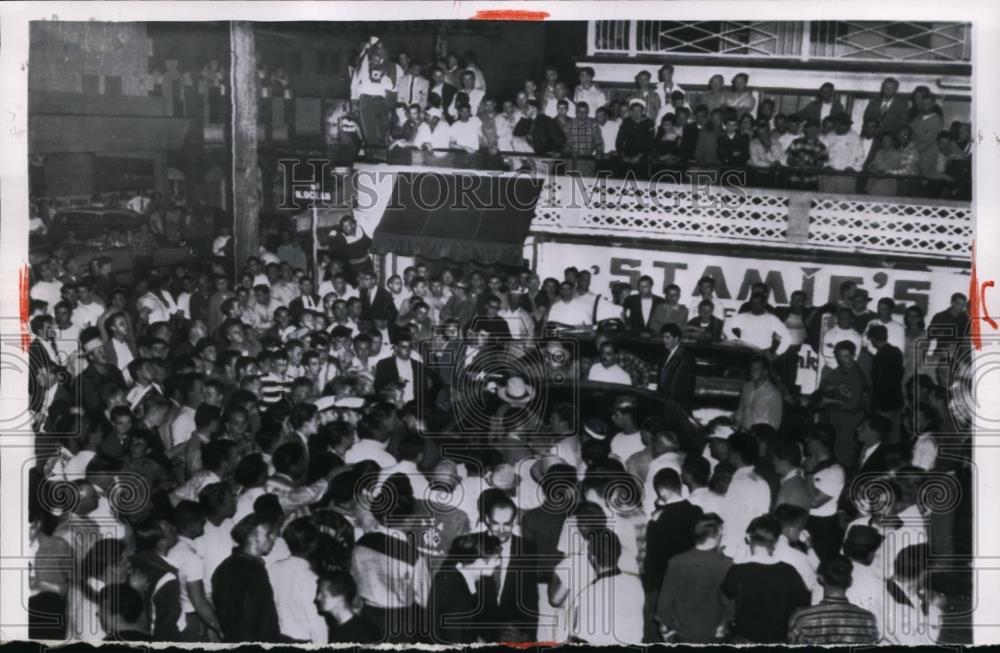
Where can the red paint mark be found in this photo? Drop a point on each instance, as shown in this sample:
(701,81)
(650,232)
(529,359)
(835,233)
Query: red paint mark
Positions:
(24,286)
(509,14)
(982,300)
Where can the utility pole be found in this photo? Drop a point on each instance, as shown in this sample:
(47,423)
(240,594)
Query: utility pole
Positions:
(243,78)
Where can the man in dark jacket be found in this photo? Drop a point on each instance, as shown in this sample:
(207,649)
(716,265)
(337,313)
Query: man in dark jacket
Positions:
(762,593)
(635,136)
(890,110)
(541,132)
(670,533)
(887,378)
(376,302)
(417,379)
(689,135)
(241,589)
(676,379)
(825,105)
(639,308)
(511,593)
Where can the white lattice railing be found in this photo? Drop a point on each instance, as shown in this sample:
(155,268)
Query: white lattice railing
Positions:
(788,219)
(657,210)
(901,41)
(912,227)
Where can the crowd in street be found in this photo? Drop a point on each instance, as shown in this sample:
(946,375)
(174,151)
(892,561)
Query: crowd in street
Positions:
(277,457)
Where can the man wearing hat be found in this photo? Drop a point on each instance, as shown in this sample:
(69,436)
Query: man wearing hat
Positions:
(635,136)
(847,154)
(374,90)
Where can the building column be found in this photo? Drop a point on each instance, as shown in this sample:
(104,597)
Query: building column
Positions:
(243,78)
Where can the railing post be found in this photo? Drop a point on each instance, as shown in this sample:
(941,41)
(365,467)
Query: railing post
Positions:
(591,37)
(633,38)
(806,40)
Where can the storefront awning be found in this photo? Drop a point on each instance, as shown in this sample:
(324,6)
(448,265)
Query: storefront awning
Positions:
(461,217)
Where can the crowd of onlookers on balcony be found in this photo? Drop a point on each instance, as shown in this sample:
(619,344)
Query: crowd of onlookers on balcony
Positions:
(188,91)
(446,110)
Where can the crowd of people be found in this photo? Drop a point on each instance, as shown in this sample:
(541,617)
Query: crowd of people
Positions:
(446,109)
(277,459)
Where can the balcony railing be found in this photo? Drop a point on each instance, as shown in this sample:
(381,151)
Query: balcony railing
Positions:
(897,41)
(939,229)
(573,205)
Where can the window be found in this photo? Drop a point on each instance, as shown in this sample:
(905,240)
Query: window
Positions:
(917,36)
(112,85)
(321,62)
(91,84)
(295,62)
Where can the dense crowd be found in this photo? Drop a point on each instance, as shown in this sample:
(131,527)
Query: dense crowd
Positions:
(364,459)
(902,146)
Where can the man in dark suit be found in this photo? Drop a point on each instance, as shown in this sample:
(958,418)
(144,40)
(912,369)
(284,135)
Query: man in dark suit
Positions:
(887,378)
(873,461)
(417,380)
(873,432)
(511,592)
(677,374)
(540,131)
(307,300)
(890,110)
(689,135)
(670,533)
(815,111)
(639,308)
(441,92)
(42,350)
(376,303)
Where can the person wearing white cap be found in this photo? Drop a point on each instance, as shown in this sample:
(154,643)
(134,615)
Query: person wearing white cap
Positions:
(434,133)
(635,135)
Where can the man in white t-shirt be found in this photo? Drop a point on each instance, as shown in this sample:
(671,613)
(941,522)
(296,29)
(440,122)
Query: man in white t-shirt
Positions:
(465,131)
(46,288)
(608,610)
(606,369)
(569,309)
(189,520)
(758,328)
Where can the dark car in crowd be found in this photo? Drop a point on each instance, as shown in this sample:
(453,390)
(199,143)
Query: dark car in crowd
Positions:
(720,368)
(84,223)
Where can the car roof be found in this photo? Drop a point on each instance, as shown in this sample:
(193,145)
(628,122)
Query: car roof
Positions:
(97,210)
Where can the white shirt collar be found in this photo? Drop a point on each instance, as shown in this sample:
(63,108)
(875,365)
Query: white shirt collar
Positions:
(792,474)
